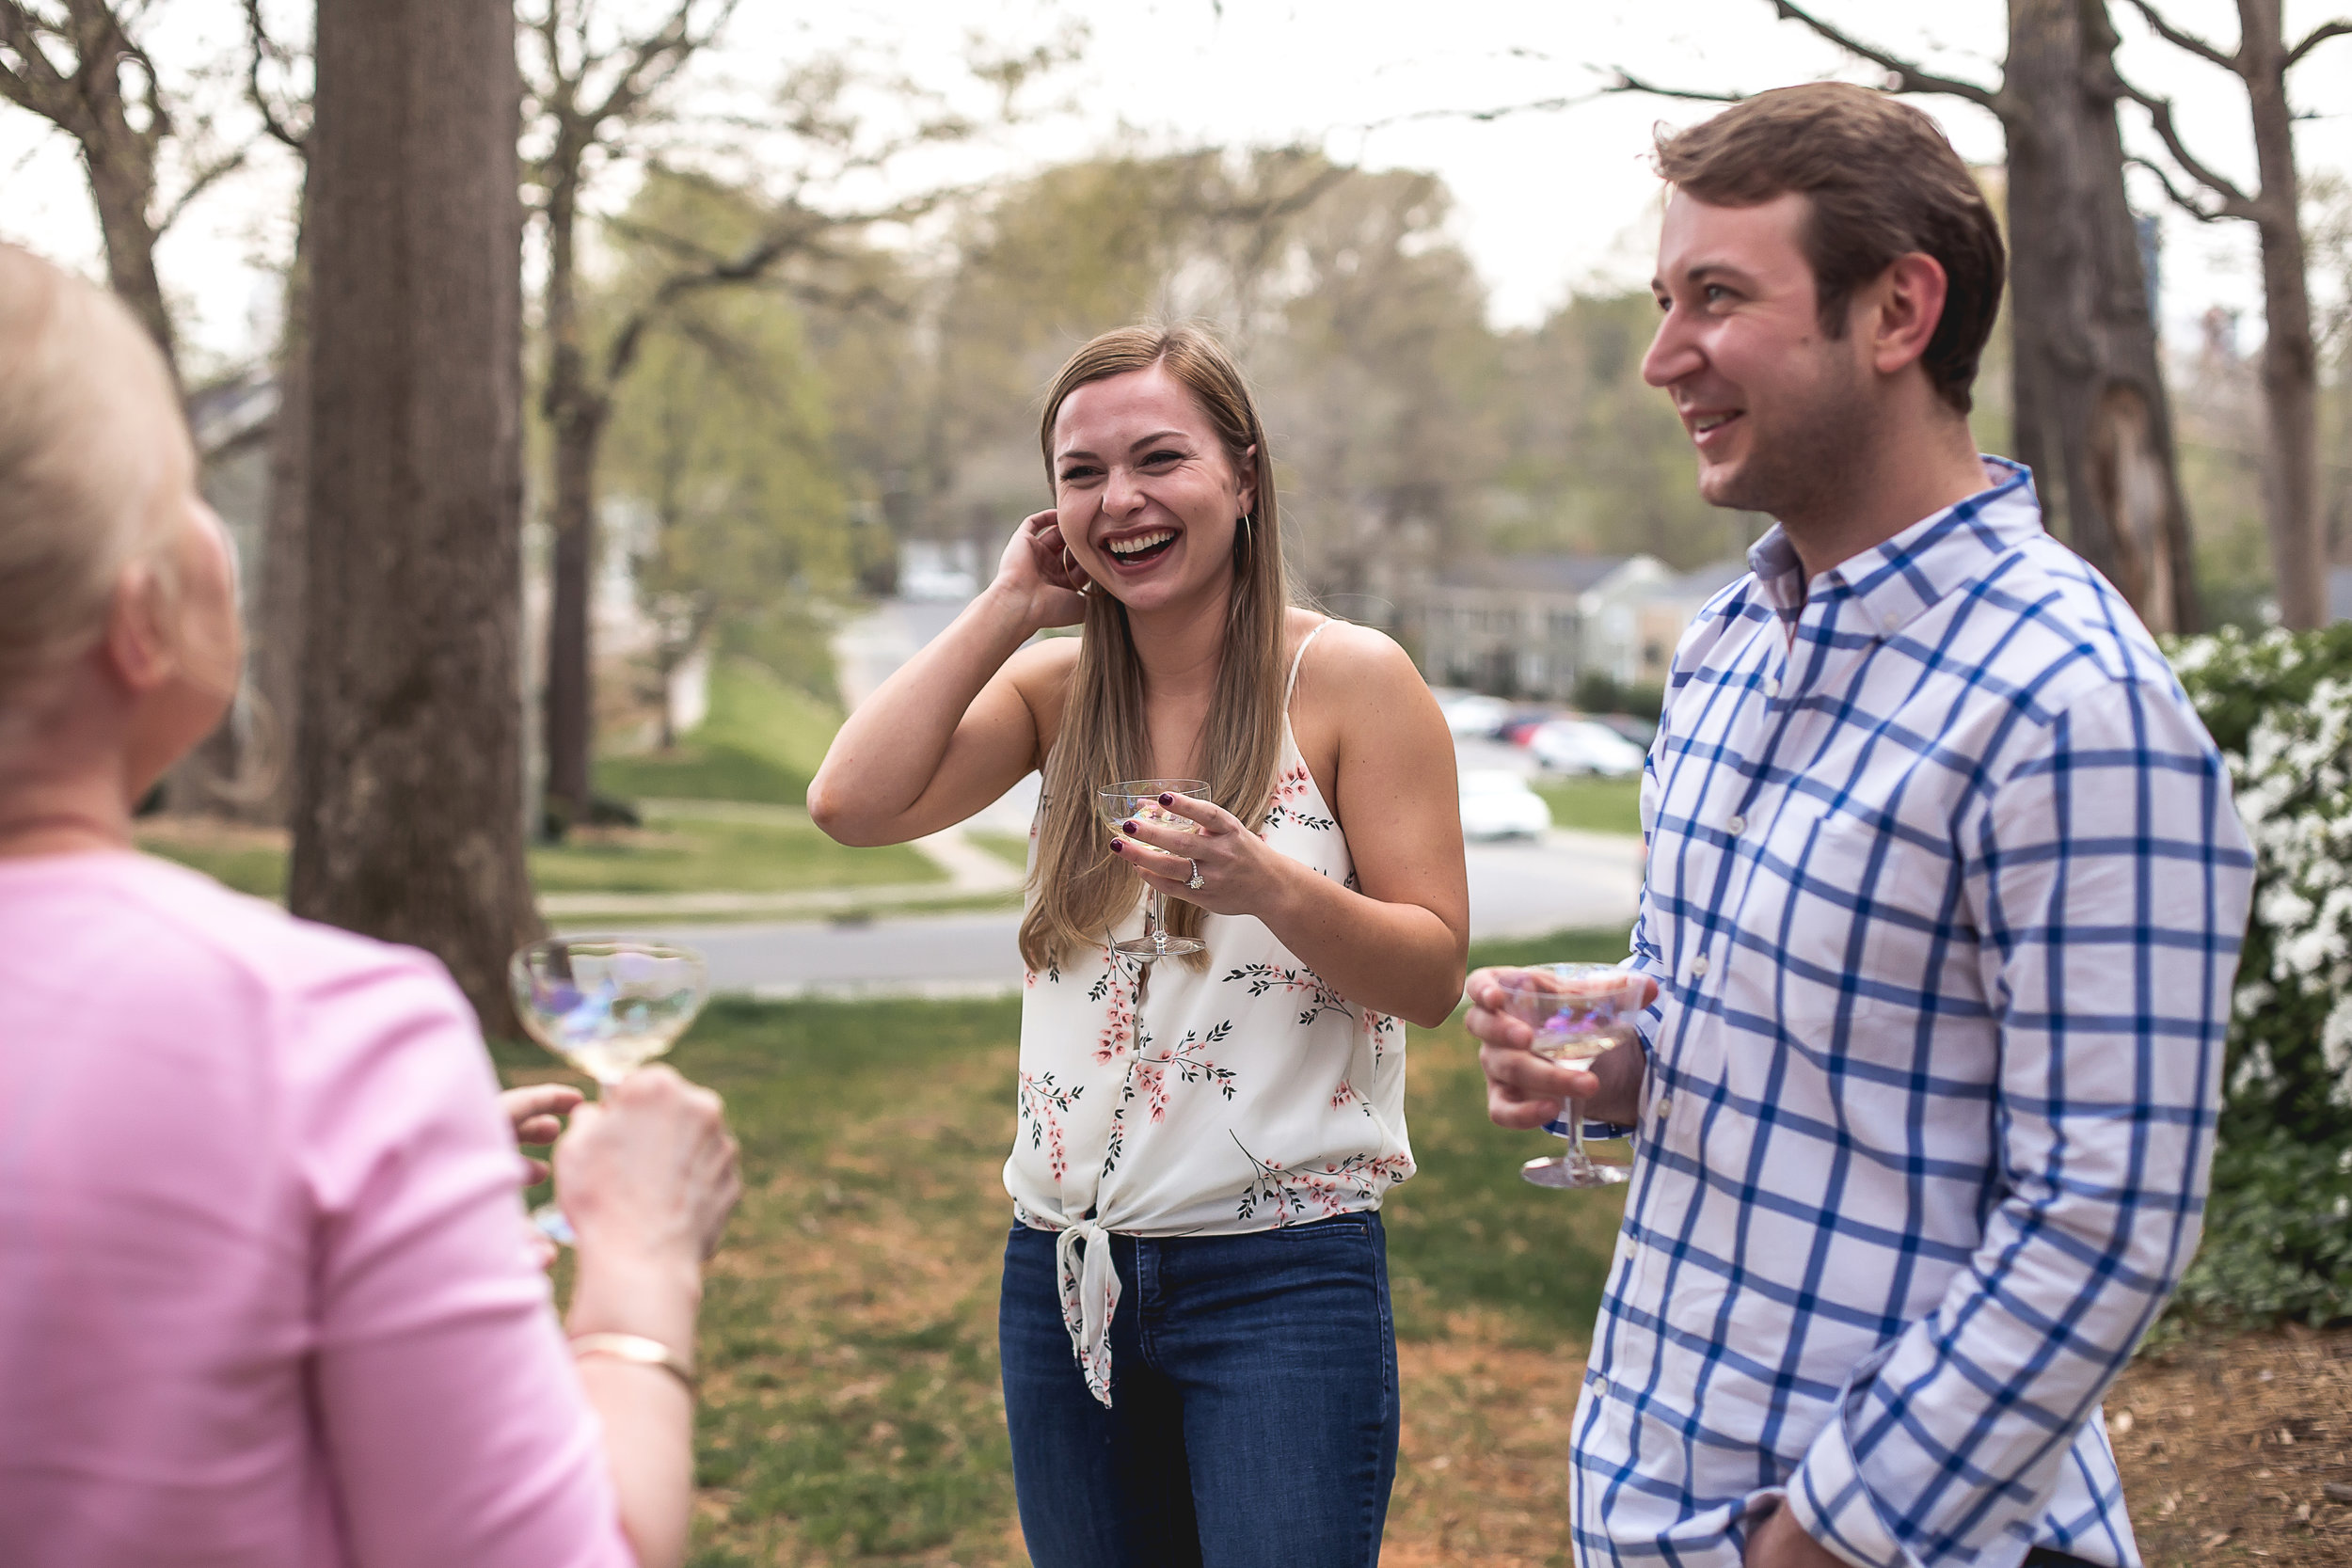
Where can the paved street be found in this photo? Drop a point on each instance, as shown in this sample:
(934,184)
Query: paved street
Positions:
(1572,880)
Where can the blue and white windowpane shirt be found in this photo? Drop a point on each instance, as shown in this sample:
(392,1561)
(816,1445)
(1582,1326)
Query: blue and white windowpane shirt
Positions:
(1945,900)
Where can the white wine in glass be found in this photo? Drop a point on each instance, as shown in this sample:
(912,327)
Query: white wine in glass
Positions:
(1138,801)
(1574,1010)
(607,1006)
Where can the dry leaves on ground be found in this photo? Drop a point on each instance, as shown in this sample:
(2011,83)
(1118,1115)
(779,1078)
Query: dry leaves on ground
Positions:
(2240,1449)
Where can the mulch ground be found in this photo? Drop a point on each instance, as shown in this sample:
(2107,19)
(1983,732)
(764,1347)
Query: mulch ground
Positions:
(2233,1450)
(2240,1449)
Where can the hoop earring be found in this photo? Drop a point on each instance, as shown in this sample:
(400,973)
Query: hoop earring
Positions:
(1241,531)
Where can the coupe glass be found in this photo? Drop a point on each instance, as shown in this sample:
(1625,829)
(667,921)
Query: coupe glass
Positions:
(1572,1008)
(1138,801)
(608,1006)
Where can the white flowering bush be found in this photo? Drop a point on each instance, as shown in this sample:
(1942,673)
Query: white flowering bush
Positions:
(2279,1231)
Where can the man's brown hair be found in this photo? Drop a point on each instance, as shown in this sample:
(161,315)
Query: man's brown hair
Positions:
(1882,183)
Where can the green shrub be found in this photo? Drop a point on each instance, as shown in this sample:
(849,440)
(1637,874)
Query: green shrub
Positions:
(2279,1228)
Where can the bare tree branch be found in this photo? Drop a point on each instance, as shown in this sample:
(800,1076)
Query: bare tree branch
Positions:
(34,82)
(1541,105)
(2180,198)
(798,229)
(654,59)
(2235,203)
(1628,82)
(1908,77)
(260,48)
(2182,39)
(203,179)
(2312,39)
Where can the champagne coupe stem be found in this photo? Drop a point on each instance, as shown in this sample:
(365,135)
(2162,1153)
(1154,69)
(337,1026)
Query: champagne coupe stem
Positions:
(1159,921)
(1576,1159)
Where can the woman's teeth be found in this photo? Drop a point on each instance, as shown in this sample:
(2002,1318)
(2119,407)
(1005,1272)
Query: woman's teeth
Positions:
(1142,545)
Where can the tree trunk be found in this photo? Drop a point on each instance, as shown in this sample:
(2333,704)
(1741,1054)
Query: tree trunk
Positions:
(2290,356)
(576,414)
(571,672)
(408,818)
(278,618)
(2093,415)
(122,187)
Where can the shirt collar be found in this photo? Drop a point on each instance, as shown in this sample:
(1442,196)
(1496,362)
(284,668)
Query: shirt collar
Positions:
(1889,585)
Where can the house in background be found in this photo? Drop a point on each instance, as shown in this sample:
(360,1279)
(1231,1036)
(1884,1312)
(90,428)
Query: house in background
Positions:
(231,422)
(1663,613)
(1534,626)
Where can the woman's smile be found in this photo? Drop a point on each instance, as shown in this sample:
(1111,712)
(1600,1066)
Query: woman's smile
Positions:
(1132,552)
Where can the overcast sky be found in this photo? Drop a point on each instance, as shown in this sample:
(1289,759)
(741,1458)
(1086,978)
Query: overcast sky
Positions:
(1548,202)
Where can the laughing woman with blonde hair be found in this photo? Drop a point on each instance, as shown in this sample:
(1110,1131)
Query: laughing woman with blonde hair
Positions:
(1199,1362)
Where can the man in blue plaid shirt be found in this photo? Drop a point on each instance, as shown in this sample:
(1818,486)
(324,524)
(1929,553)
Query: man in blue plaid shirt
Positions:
(1942,908)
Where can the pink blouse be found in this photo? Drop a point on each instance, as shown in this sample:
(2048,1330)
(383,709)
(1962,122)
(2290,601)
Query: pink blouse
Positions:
(263,1292)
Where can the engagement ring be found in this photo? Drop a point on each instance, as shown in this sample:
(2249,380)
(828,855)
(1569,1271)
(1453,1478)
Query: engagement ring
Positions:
(1195,883)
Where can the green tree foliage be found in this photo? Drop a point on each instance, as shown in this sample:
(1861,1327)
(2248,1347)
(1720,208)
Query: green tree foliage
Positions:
(723,481)
(1597,460)
(1406,428)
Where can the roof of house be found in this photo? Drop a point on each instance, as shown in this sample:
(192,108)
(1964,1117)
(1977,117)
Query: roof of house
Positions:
(1540,573)
(228,411)
(1703,583)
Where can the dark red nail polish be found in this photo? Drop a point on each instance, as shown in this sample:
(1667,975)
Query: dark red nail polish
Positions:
(1168,800)
(1119,847)
(1128,826)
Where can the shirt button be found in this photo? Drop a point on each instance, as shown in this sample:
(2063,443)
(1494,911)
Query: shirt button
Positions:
(1698,965)
(1665,1106)
(1600,1387)
(1892,621)
(1772,686)
(1737,825)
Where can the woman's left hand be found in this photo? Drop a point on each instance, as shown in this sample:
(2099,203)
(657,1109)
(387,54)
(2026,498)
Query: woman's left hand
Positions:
(534,1110)
(1239,873)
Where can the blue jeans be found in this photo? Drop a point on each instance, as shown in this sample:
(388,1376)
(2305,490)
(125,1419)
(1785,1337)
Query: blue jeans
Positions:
(1253,1413)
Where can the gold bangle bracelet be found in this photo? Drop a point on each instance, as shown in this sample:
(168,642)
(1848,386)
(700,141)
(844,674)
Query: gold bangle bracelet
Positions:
(645,1352)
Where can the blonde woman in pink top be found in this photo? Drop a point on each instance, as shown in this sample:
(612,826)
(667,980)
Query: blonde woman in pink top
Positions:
(265,1297)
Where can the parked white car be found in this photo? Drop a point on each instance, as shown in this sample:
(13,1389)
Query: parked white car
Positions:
(1581,746)
(1472,713)
(1499,805)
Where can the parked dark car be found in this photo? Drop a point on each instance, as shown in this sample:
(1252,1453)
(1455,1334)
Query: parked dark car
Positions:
(1523,723)
(1638,730)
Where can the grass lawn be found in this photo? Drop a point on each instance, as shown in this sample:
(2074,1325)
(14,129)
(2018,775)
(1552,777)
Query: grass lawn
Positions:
(851,1410)
(684,846)
(762,740)
(1012,849)
(1593,805)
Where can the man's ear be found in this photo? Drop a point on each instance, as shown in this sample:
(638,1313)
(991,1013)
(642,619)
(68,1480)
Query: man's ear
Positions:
(138,647)
(1902,310)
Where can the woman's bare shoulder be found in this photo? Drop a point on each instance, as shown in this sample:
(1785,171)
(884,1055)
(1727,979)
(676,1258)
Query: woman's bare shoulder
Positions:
(1040,673)
(1350,656)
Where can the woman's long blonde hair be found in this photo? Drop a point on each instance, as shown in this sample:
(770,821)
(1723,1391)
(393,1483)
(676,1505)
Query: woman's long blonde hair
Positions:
(1082,889)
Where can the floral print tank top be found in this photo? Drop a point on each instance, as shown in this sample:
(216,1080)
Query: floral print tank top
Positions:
(1242,1097)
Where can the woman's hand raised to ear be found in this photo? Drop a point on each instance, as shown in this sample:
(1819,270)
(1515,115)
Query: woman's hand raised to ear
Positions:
(1037,572)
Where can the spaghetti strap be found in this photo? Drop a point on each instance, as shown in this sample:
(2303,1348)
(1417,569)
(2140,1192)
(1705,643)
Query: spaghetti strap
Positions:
(1301,657)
